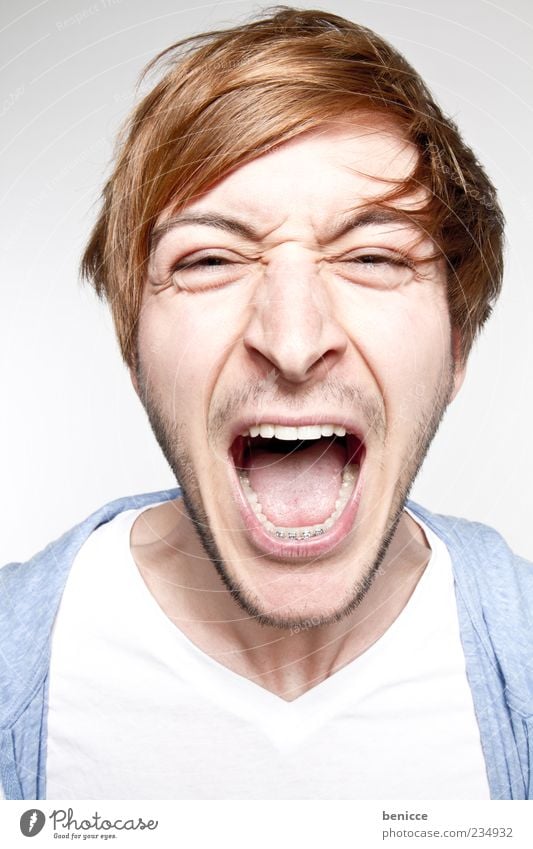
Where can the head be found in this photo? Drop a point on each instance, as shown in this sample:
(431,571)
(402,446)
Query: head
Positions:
(294,236)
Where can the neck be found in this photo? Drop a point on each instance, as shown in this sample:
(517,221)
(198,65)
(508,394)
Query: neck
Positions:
(286,662)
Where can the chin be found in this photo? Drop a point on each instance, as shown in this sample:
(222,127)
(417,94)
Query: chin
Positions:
(301,593)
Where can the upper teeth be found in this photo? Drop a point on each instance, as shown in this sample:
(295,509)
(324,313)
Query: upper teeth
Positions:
(269,431)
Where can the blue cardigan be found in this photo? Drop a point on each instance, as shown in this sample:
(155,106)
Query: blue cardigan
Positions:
(494,592)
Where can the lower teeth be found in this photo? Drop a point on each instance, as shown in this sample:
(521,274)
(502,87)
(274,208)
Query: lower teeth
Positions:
(304,534)
(349,476)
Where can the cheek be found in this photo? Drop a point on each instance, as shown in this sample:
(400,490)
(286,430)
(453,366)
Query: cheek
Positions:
(184,340)
(404,338)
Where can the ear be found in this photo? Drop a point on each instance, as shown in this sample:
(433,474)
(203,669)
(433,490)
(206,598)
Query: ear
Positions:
(459,362)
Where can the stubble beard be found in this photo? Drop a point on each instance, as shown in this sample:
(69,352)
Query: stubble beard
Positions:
(171,439)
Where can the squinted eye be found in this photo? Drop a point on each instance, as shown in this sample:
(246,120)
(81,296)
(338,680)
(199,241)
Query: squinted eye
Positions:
(204,262)
(368,259)
(379,259)
(380,270)
(205,271)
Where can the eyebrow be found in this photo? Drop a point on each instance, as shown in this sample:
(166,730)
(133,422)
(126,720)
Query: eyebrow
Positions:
(209,219)
(363,217)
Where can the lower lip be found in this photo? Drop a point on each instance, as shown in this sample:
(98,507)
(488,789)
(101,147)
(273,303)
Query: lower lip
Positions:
(297,550)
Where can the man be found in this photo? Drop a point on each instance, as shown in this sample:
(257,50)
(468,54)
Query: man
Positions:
(299,250)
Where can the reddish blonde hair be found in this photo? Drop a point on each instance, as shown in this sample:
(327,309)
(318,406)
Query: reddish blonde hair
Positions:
(228,96)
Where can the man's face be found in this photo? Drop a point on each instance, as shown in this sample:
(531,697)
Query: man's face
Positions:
(295,368)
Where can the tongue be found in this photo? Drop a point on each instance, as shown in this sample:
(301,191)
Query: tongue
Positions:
(299,488)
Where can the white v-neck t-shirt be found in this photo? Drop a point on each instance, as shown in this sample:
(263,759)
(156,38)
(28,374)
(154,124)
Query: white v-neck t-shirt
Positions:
(138,711)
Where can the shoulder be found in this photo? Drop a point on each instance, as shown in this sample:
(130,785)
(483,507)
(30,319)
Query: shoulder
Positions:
(30,593)
(494,586)
(476,545)
(494,591)
(59,554)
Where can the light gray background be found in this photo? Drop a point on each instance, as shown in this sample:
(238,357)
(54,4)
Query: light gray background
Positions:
(73,434)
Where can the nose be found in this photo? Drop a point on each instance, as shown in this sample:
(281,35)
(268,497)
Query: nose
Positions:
(292,324)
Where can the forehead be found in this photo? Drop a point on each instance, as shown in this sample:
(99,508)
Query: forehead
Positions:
(323,171)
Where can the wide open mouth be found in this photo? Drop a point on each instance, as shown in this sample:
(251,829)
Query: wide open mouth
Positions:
(297,480)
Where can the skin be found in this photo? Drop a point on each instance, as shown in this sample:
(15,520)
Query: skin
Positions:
(291,323)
